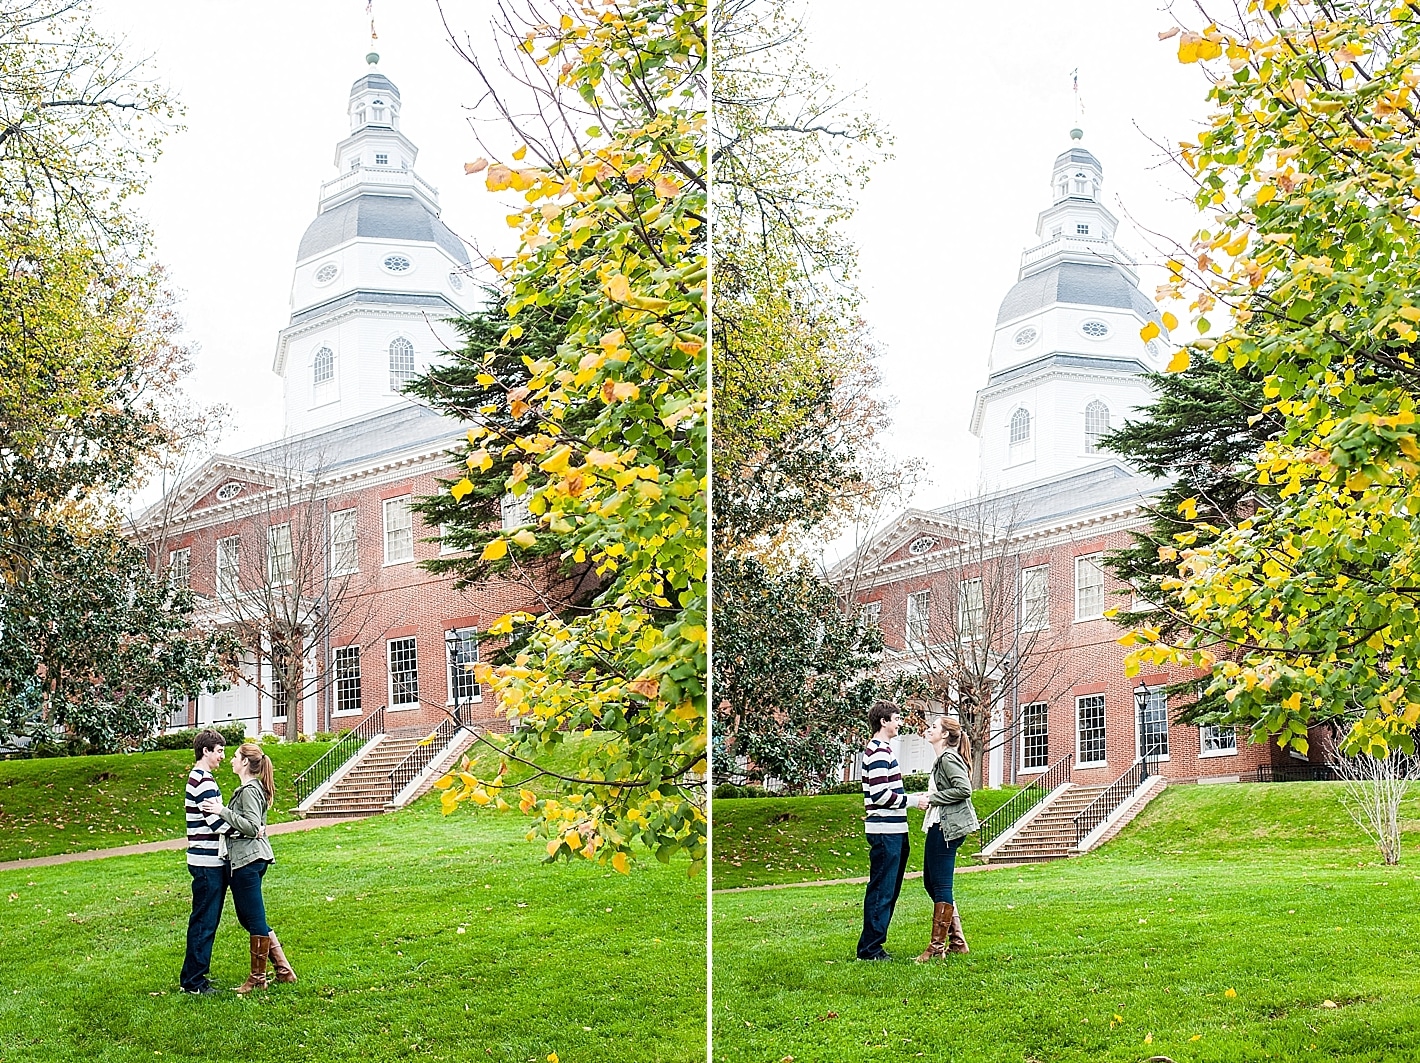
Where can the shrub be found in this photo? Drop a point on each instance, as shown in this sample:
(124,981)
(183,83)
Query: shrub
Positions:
(843,788)
(233,734)
(914,784)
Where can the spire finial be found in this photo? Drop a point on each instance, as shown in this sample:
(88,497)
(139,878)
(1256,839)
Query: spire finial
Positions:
(1077,133)
(373,57)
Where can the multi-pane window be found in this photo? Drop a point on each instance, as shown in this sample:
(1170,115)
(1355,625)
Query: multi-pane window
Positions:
(279,561)
(1089,587)
(1020,436)
(381,159)
(323,365)
(515,511)
(971,609)
(919,617)
(1154,725)
(871,615)
(1215,740)
(1081,229)
(279,699)
(401,358)
(180,567)
(399,531)
(404,672)
(1096,425)
(1035,598)
(1035,736)
(461,650)
(229,564)
(347,680)
(344,546)
(1089,729)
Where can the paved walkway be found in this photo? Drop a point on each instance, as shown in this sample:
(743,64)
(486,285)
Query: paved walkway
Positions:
(855,881)
(156,847)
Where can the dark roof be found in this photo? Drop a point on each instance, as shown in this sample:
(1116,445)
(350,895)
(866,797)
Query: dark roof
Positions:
(382,217)
(378,82)
(406,427)
(1082,283)
(1078,155)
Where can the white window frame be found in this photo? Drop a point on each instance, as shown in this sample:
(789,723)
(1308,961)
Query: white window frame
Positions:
(390,650)
(918,628)
(465,636)
(275,573)
(1155,694)
(1035,607)
(405,373)
(382,158)
(871,614)
(1081,228)
(971,615)
(1083,563)
(1093,431)
(344,547)
(229,561)
(180,567)
(1080,761)
(338,655)
(1217,729)
(1019,451)
(322,361)
(401,503)
(1026,715)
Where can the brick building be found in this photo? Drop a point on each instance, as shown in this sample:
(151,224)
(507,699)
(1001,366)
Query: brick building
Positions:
(311,535)
(1019,569)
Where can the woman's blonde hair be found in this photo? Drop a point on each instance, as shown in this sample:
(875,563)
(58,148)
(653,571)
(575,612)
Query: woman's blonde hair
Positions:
(259,765)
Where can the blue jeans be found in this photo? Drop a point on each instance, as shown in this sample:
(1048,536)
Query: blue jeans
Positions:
(209,890)
(939,863)
(246,897)
(887,860)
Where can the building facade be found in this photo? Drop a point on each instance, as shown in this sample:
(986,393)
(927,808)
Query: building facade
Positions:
(1018,574)
(307,547)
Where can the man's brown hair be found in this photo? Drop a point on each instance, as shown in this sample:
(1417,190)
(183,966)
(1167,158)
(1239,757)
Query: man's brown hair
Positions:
(205,740)
(881,712)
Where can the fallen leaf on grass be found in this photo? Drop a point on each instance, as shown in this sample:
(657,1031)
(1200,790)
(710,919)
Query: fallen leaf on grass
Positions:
(1230,993)
(1330,1004)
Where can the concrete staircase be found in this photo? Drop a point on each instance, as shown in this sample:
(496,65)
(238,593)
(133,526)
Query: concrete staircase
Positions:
(364,790)
(1050,833)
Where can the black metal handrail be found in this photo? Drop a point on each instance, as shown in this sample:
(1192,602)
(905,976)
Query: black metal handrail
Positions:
(333,758)
(421,756)
(1030,795)
(1098,810)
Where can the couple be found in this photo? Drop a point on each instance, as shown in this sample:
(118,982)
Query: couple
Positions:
(227,847)
(950,818)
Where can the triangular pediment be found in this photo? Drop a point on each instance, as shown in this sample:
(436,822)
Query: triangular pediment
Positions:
(913,533)
(221,483)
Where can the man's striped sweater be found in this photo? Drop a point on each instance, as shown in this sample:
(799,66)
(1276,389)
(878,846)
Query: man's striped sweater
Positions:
(202,830)
(884,799)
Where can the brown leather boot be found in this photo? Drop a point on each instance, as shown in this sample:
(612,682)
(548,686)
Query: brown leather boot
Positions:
(279,967)
(942,913)
(260,949)
(954,935)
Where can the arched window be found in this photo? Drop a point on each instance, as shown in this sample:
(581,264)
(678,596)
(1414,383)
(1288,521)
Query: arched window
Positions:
(360,116)
(377,109)
(401,363)
(1082,184)
(323,366)
(1020,449)
(1096,425)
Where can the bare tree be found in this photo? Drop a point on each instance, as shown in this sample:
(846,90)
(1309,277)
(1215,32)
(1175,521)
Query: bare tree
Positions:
(1372,790)
(973,653)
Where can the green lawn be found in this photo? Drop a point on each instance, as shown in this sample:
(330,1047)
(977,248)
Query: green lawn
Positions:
(1240,922)
(416,936)
(764,840)
(69,804)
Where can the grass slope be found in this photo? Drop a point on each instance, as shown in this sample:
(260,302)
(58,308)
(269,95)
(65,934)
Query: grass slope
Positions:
(1241,922)
(415,936)
(71,804)
(765,840)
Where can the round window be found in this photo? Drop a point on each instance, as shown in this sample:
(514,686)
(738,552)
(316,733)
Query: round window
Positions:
(455,282)
(229,491)
(1152,346)
(922,545)
(1026,336)
(1095,330)
(397,263)
(327,273)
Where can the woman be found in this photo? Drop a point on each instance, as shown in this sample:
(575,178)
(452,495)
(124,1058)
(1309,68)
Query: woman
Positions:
(950,818)
(250,855)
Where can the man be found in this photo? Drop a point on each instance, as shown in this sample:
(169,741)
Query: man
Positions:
(885,802)
(209,871)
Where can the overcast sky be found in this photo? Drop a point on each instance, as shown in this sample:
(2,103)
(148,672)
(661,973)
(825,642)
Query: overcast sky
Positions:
(265,86)
(979,100)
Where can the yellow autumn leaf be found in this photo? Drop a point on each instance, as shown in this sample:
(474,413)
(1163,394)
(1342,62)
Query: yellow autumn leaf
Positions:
(461,488)
(619,288)
(600,459)
(665,187)
(475,166)
(1265,195)
(525,538)
(1196,1037)
(1149,1038)
(1230,993)
(1410,313)
(1189,508)
(521,153)
(553,846)
(1179,362)
(495,549)
(1170,322)
(1149,331)
(619,863)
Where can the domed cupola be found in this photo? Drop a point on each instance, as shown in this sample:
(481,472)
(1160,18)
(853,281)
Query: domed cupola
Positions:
(1066,362)
(377,274)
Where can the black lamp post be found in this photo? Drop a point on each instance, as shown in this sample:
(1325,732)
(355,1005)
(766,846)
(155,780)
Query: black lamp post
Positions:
(1141,704)
(454,646)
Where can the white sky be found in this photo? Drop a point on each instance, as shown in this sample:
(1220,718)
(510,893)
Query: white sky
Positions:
(979,100)
(265,86)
